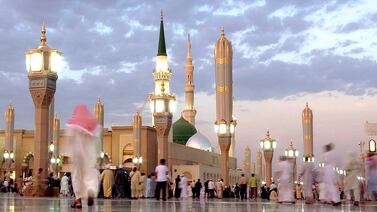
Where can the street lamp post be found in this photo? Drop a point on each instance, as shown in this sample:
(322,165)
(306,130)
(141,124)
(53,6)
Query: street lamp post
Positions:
(42,64)
(292,153)
(268,145)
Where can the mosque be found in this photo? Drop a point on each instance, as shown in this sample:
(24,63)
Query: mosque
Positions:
(189,152)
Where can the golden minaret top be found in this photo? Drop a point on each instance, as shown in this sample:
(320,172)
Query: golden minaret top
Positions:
(223,49)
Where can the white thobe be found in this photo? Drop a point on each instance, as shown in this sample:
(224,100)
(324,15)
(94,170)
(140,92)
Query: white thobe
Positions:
(83,152)
(183,186)
(330,178)
(285,187)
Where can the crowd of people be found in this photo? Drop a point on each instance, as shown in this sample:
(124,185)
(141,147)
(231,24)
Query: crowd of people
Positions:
(316,183)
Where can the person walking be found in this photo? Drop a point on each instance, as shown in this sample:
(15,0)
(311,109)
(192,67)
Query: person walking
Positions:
(285,187)
(162,179)
(243,185)
(177,189)
(211,189)
(192,186)
(352,186)
(371,165)
(253,187)
(135,181)
(183,186)
(219,188)
(149,187)
(64,185)
(329,176)
(107,179)
(82,147)
(142,185)
(307,176)
(120,181)
(198,188)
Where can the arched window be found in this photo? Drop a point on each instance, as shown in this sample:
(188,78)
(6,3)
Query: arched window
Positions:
(372,145)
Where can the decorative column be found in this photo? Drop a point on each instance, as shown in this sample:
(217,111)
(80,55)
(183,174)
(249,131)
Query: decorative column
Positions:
(292,153)
(42,64)
(224,124)
(307,126)
(268,145)
(162,102)
(9,131)
(189,112)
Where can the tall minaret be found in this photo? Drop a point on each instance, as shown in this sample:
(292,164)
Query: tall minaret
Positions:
(224,124)
(260,165)
(162,102)
(99,114)
(307,126)
(247,162)
(55,141)
(9,130)
(189,112)
(137,134)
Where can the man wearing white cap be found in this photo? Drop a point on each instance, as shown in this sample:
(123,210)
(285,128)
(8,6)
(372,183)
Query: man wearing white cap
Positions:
(83,148)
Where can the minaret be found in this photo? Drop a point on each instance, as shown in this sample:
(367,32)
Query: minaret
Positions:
(247,162)
(224,124)
(307,126)
(162,102)
(9,130)
(260,165)
(137,134)
(55,141)
(189,112)
(99,114)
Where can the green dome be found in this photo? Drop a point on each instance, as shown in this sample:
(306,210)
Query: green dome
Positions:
(182,131)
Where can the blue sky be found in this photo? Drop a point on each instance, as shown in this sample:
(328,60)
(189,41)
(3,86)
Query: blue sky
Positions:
(285,53)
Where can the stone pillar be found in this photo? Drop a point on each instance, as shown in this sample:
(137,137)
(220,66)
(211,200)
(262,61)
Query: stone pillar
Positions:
(224,142)
(162,125)
(42,74)
(268,159)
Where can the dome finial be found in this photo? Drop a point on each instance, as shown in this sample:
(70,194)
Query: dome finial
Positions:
(268,133)
(307,104)
(222,31)
(162,15)
(43,36)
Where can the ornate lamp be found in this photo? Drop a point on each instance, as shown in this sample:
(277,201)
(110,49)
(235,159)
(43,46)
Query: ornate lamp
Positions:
(268,145)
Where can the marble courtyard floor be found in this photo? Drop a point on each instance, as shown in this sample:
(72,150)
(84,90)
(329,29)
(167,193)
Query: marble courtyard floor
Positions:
(9,202)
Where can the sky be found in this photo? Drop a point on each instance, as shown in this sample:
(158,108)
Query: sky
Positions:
(286,53)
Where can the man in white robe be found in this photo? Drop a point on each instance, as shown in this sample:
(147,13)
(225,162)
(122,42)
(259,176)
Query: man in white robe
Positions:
(284,176)
(83,148)
(352,184)
(308,168)
(329,177)
(183,187)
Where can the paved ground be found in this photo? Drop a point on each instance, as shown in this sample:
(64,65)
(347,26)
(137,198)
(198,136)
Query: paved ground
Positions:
(16,203)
